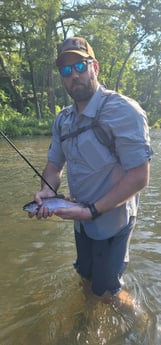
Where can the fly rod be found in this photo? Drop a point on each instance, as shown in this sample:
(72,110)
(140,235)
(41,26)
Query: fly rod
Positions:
(27,161)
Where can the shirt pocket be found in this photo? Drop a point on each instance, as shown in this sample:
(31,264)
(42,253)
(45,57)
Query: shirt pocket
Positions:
(93,152)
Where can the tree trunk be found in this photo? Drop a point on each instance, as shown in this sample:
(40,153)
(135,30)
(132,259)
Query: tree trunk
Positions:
(16,96)
(50,54)
(36,101)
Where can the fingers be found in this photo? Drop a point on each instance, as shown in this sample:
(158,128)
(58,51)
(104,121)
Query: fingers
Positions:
(38,198)
(43,194)
(44,212)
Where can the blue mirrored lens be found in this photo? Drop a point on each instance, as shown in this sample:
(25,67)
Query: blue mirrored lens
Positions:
(80,67)
(65,71)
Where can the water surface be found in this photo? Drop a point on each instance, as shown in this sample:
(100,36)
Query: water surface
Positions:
(42,300)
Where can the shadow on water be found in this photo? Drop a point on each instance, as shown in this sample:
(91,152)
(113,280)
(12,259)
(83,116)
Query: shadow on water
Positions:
(42,298)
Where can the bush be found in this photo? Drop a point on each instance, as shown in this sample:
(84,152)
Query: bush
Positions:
(15,124)
(157,124)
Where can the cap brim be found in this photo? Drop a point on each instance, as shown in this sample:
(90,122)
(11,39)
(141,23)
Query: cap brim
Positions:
(78,52)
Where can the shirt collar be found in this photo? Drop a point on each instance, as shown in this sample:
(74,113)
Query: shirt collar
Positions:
(91,108)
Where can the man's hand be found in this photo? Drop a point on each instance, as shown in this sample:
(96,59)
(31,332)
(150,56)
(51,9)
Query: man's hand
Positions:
(43,212)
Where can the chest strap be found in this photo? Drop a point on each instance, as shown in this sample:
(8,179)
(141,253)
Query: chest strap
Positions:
(103,137)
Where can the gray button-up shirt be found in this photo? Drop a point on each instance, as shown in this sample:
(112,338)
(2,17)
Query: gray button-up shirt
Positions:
(92,169)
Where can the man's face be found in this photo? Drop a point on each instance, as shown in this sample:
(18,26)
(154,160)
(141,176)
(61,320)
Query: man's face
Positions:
(80,86)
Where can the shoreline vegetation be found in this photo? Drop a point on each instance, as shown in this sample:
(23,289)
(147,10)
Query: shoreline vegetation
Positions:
(15,125)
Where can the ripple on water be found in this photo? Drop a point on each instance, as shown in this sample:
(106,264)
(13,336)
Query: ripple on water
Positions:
(41,300)
(38,245)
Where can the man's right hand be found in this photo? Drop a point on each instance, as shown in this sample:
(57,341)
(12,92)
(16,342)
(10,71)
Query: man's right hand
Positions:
(43,212)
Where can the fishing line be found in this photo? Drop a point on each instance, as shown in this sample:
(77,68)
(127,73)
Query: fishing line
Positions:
(27,161)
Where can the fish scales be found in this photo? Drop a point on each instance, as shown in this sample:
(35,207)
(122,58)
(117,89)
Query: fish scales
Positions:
(52,203)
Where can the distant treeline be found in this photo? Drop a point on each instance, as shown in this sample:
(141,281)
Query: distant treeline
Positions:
(125,35)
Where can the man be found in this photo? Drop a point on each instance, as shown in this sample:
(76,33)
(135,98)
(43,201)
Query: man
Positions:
(106,179)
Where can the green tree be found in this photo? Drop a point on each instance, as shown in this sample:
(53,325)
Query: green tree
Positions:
(125,34)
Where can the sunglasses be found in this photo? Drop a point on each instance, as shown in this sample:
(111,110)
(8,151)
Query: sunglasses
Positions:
(79,67)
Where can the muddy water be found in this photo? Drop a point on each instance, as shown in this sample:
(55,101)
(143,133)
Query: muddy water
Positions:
(42,300)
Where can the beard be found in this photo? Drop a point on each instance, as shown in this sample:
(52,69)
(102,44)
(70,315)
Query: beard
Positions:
(82,92)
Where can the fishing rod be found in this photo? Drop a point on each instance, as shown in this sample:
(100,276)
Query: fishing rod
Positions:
(27,161)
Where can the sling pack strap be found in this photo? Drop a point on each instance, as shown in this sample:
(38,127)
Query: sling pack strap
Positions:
(101,135)
(77,132)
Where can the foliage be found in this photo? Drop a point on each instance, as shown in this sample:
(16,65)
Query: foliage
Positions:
(126,37)
(15,124)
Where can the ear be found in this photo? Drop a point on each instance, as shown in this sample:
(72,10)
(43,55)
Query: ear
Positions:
(96,67)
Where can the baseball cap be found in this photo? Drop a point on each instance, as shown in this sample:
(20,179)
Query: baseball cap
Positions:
(77,45)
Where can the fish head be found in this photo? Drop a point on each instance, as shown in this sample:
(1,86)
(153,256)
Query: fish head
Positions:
(31,207)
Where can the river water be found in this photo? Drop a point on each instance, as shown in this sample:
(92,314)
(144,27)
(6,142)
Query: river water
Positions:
(42,301)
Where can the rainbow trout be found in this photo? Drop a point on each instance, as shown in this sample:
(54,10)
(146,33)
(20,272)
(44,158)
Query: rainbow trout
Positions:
(52,203)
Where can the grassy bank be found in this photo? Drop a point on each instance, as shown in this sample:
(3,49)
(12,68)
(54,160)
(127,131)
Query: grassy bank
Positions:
(14,124)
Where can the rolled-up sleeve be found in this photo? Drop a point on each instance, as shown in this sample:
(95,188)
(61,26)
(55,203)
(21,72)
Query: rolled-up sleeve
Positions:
(129,126)
(55,152)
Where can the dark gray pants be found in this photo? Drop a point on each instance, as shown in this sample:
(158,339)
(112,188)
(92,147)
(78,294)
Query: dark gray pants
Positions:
(103,261)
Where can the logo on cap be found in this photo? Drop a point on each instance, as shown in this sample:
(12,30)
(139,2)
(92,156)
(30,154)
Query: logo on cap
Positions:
(76,45)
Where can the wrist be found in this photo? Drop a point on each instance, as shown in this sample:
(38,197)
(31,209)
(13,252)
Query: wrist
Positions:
(47,191)
(95,214)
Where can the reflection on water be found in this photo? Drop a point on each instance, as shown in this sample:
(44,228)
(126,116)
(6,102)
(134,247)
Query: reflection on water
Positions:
(42,298)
